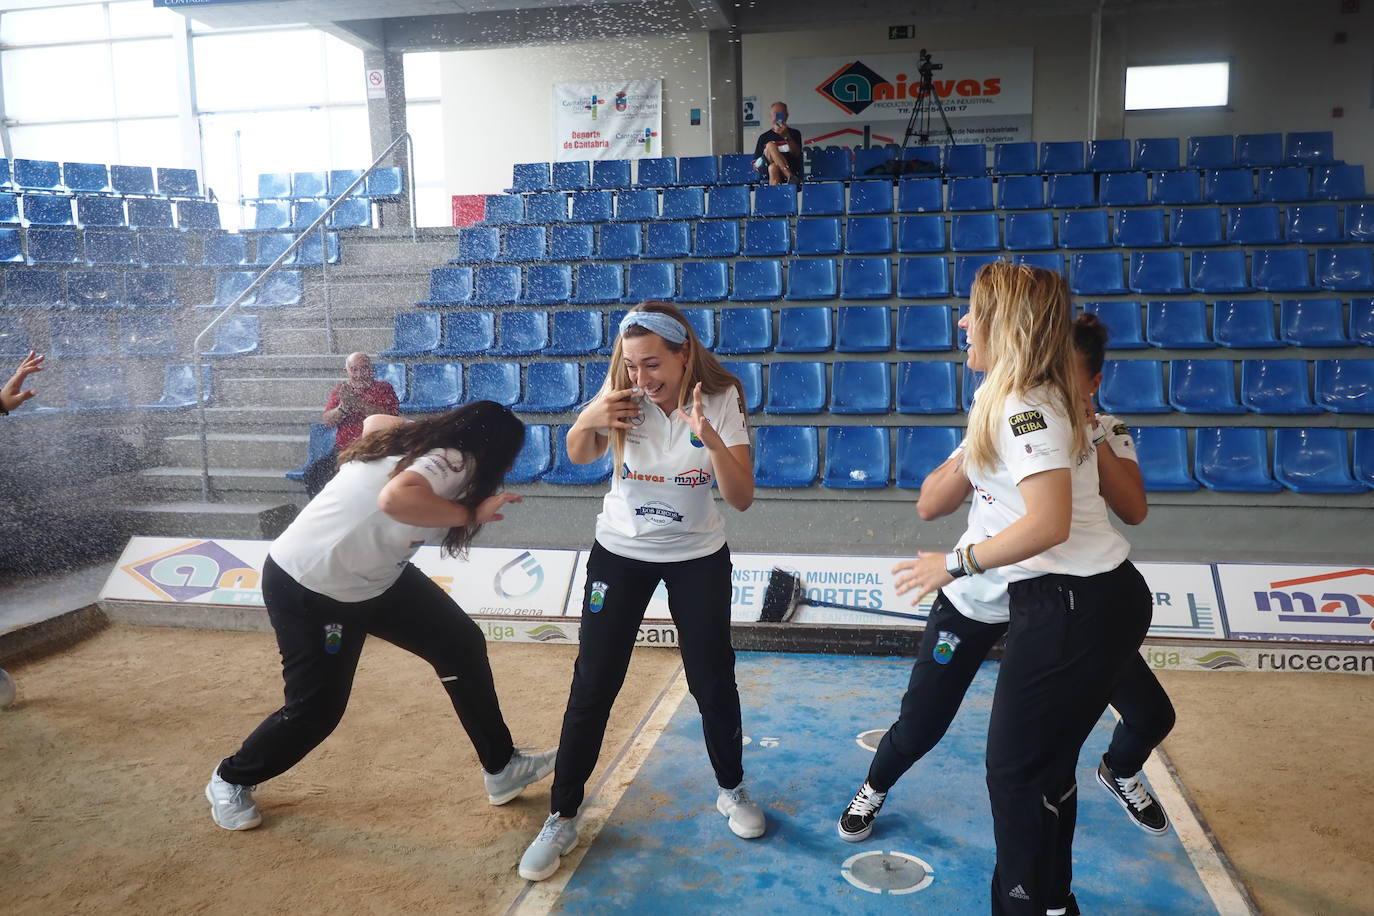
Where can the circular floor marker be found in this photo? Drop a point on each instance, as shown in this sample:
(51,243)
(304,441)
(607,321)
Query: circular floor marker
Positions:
(887,872)
(869,740)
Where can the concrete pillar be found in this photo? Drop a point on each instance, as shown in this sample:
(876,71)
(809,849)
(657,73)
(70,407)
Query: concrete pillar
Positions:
(386,120)
(1107,95)
(724,84)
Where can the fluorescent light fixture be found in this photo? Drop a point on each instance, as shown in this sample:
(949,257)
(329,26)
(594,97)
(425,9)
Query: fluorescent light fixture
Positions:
(1177,86)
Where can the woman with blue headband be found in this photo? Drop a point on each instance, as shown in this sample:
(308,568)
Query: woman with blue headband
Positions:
(675,421)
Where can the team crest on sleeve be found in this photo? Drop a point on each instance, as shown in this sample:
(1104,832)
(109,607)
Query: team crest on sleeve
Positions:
(945,644)
(333,638)
(597,599)
(1027,421)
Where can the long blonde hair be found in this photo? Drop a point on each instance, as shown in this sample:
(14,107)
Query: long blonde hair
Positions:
(1023,316)
(702,366)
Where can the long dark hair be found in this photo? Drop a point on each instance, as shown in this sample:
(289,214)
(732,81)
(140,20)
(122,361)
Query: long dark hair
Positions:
(488,435)
(1090,339)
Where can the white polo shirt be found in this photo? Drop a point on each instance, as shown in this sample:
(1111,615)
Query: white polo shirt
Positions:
(343,546)
(1034,435)
(661,507)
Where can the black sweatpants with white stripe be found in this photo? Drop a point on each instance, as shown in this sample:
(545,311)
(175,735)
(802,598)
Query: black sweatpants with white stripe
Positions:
(321,640)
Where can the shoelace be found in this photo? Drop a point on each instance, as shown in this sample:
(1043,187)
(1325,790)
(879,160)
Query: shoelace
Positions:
(550,829)
(866,801)
(740,795)
(1134,792)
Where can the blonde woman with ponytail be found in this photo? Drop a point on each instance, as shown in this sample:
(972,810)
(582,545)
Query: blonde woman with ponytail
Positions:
(675,422)
(1078,608)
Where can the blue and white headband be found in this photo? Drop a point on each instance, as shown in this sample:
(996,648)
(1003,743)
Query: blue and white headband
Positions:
(665,326)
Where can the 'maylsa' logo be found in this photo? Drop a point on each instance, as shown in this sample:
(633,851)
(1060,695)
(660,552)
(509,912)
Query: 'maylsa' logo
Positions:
(1340,597)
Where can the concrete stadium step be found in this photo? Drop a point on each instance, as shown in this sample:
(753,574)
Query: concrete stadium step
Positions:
(309,341)
(244,420)
(364,257)
(237,450)
(370,298)
(195,519)
(275,391)
(244,484)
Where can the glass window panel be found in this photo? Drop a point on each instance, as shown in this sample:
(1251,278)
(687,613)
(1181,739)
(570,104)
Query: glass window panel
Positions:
(432,204)
(93,142)
(68,23)
(145,77)
(56,84)
(350,146)
(422,74)
(228,80)
(141,18)
(344,65)
(1177,86)
(150,141)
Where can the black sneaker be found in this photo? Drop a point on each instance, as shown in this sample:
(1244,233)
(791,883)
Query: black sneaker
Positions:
(857,821)
(1135,798)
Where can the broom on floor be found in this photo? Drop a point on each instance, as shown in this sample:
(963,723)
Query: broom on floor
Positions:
(786,592)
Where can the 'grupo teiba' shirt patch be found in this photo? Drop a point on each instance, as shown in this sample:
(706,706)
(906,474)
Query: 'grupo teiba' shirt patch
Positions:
(1028,421)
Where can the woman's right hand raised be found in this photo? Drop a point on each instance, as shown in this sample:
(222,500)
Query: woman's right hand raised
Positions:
(610,410)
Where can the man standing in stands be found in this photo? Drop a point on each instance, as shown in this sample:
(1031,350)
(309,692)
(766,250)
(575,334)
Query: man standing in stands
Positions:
(350,403)
(779,150)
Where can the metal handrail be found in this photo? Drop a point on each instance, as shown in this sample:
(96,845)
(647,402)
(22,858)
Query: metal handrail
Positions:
(252,288)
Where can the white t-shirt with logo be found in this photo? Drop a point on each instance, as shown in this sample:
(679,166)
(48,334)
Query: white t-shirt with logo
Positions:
(1034,435)
(343,546)
(661,507)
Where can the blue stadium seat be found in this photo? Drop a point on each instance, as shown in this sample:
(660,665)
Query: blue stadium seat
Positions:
(745,330)
(1158,272)
(1021,192)
(1345,385)
(737,168)
(194,214)
(1244,323)
(716,239)
(820,235)
(598,283)
(78,335)
(1084,229)
(863,329)
(1043,260)
(1338,182)
(1276,386)
(237,335)
(52,210)
(1013,158)
(1337,268)
(1196,227)
(549,388)
(1124,189)
(394,374)
(1216,151)
(37,175)
(271,215)
(727,201)
(97,388)
(86,177)
(149,213)
(858,387)
(924,328)
(1313,224)
(415,334)
(1153,154)
(1109,156)
(974,232)
(521,333)
(469,333)
(668,240)
(926,387)
(14,335)
(1203,386)
(271,185)
(571,176)
(873,163)
(1281,270)
(788,456)
(920,195)
(151,289)
(271,245)
(1140,228)
(577,332)
(1179,324)
(131,179)
(611,173)
(698,170)
(1034,231)
(866,278)
(147,334)
(496,285)
(757,281)
(804,329)
(1253,225)
(53,246)
(1221,271)
(572,243)
(523,243)
(1310,148)
(434,387)
(926,232)
(499,382)
(1132,386)
(657,173)
(1285,184)
(870,197)
(384,184)
(1314,461)
(321,443)
(477,245)
(1364,456)
(966,268)
(651,281)
(590,206)
(1362,321)
(356,212)
(966,159)
(34,288)
(704,281)
(303,184)
(619,242)
(1164,458)
(312,250)
(1096,274)
(794,387)
(546,207)
(1256,150)
(9,208)
(547,284)
(1122,320)
(767,238)
(1181,187)
(531,176)
(11,247)
(180,183)
(179,388)
(923,278)
(775,200)
(857,457)
(750,375)
(873,234)
(811,279)
(1061,156)
(449,286)
(1228,186)
(921,449)
(824,198)
(305,212)
(703,322)
(535,455)
(970,194)
(95,289)
(831,164)
(340,180)
(636,205)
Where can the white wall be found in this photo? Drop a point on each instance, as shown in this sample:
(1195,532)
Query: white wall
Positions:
(498,103)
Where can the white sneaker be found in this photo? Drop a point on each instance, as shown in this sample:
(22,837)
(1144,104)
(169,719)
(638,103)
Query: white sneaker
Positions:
(232,806)
(746,817)
(556,839)
(521,770)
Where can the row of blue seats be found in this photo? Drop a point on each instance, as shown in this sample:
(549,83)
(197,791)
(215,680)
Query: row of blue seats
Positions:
(1236,323)
(136,334)
(1283,386)
(1201,227)
(106,388)
(159,248)
(1217,151)
(52,289)
(97,178)
(383,184)
(353,213)
(1089,273)
(106,212)
(919,195)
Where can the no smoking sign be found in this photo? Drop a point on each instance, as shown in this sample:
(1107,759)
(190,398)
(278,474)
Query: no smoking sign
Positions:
(376,84)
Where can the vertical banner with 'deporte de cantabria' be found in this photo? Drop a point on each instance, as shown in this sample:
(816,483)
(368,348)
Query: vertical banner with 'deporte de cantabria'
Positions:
(866,100)
(620,119)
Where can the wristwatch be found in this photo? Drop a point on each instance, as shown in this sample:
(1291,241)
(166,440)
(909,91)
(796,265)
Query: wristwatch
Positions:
(954,565)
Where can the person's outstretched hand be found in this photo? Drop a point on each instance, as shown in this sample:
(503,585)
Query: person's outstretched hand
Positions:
(10,394)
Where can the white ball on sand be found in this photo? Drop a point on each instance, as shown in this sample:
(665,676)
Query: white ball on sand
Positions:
(6,689)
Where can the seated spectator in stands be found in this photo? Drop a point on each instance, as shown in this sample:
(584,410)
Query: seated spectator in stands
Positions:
(350,403)
(10,394)
(779,150)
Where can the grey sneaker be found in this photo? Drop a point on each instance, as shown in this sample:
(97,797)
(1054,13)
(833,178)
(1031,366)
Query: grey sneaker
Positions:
(232,806)
(746,817)
(556,839)
(520,771)
(857,821)
(1144,809)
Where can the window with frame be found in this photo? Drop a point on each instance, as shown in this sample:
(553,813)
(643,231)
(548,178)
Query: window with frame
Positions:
(1197,85)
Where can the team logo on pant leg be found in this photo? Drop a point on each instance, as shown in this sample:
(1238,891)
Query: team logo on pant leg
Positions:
(333,638)
(945,645)
(597,599)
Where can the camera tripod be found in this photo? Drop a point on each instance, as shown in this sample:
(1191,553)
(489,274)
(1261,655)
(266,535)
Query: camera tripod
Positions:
(925,105)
